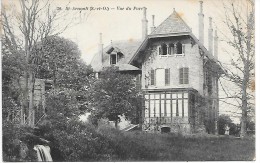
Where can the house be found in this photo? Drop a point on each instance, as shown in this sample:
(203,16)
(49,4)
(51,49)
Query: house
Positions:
(178,75)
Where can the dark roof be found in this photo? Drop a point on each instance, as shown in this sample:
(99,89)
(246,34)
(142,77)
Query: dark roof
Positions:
(127,47)
(173,24)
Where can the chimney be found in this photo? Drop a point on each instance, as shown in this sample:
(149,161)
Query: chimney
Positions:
(100,48)
(153,26)
(201,23)
(216,45)
(144,25)
(210,36)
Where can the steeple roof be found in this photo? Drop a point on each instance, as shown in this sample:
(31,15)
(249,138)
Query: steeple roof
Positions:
(173,24)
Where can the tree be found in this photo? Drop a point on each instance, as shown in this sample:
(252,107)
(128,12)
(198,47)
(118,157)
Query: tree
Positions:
(58,59)
(25,22)
(240,24)
(113,95)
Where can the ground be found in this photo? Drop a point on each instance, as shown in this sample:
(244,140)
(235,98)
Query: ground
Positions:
(168,147)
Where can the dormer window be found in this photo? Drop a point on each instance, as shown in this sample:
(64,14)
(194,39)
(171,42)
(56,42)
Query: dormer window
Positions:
(113,59)
(115,55)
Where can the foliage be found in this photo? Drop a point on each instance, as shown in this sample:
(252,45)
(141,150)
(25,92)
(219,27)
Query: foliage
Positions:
(25,23)
(71,139)
(12,68)
(75,141)
(14,136)
(58,59)
(251,125)
(114,94)
(223,120)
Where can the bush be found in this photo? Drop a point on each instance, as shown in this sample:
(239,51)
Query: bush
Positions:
(15,137)
(71,139)
(76,141)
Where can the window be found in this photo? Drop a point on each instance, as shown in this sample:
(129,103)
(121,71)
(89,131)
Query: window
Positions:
(179,48)
(159,105)
(113,59)
(184,75)
(160,77)
(171,49)
(163,49)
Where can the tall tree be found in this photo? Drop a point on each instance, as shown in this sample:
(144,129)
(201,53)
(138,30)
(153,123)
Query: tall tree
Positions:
(240,21)
(25,22)
(114,95)
(59,59)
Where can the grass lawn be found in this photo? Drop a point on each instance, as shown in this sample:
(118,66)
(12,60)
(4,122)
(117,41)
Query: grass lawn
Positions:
(169,147)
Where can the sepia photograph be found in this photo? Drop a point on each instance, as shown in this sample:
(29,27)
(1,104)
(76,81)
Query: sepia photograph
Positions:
(127,81)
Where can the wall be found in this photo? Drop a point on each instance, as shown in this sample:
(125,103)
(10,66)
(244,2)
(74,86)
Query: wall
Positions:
(191,59)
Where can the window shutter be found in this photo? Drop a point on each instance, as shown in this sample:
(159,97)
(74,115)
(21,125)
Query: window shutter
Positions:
(186,76)
(181,75)
(152,77)
(138,82)
(183,49)
(167,76)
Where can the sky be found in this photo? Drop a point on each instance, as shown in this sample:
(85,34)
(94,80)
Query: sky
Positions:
(126,24)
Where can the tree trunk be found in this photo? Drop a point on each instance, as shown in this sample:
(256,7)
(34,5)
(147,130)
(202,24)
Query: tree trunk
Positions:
(116,124)
(244,102)
(31,109)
